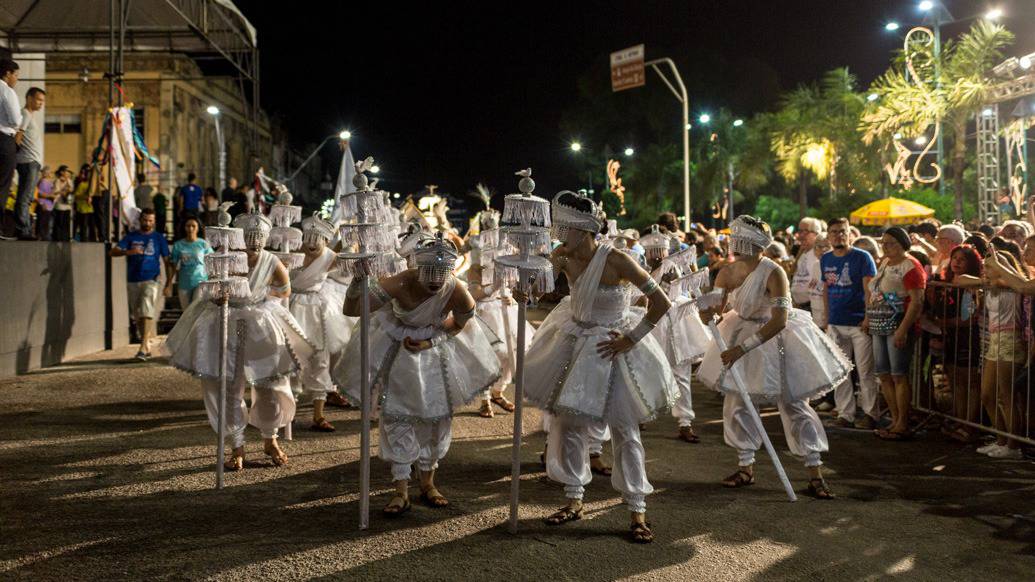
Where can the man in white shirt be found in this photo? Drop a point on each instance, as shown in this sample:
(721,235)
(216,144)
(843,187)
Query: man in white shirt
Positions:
(10,121)
(30,160)
(808,229)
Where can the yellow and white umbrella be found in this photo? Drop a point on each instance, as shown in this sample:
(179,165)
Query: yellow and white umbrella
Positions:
(889,211)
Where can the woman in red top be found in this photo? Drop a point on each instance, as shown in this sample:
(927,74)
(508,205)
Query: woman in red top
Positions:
(896,301)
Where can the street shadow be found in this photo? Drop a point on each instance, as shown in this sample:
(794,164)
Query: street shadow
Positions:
(60,303)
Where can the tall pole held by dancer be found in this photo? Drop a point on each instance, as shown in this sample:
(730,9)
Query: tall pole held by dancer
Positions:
(224,319)
(519,399)
(743,394)
(364,405)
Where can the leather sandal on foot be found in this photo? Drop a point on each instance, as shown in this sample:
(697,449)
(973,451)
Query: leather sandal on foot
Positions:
(641,533)
(278,456)
(739,479)
(604,471)
(687,434)
(564,515)
(395,510)
(322,425)
(501,401)
(335,399)
(486,410)
(433,498)
(818,488)
(234,463)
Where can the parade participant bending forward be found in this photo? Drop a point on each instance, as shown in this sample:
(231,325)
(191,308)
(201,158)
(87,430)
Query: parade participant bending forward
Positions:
(319,313)
(427,361)
(593,361)
(784,357)
(265,347)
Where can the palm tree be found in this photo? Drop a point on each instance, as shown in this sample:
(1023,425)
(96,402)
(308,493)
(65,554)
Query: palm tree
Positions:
(951,90)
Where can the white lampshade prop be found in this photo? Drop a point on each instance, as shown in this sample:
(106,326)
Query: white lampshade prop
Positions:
(285,239)
(225,284)
(526,227)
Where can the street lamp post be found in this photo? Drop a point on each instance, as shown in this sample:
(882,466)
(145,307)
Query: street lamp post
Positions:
(685,102)
(221,144)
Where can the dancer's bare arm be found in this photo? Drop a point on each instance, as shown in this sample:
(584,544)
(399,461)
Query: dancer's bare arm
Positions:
(657,305)
(778,288)
(280,285)
(462,305)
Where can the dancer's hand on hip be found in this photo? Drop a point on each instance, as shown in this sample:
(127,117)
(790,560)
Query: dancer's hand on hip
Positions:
(616,345)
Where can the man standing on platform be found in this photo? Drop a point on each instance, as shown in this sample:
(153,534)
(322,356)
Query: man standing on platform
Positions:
(10,122)
(145,250)
(30,161)
(189,200)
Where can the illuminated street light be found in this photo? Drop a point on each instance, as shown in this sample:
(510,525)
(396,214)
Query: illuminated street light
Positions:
(994,14)
(375,169)
(891,26)
(704,118)
(872,97)
(738,122)
(920,140)
(629,152)
(345,134)
(689,126)
(987,112)
(212,110)
(926,5)
(1025,61)
(897,135)
(576,146)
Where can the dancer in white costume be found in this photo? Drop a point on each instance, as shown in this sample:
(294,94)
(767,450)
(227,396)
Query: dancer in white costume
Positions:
(318,310)
(681,333)
(784,357)
(496,309)
(593,360)
(427,362)
(265,348)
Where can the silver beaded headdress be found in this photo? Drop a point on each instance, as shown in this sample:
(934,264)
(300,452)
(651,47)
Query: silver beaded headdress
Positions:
(571,210)
(656,243)
(435,259)
(749,235)
(256,229)
(316,226)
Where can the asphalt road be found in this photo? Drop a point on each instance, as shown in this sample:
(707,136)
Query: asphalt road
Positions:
(106,472)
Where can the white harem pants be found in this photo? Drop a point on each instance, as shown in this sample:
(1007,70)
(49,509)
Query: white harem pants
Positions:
(273,406)
(404,443)
(801,426)
(567,461)
(683,407)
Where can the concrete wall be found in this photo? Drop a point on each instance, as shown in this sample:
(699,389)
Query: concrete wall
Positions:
(52,305)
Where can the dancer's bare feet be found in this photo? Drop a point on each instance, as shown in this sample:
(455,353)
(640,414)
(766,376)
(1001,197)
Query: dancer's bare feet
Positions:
(276,454)
(236,460)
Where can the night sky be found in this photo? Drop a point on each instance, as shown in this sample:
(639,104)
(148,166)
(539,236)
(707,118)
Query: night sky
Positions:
(452,94)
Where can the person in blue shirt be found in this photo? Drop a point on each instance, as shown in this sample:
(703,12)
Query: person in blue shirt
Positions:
(846,274)
(144,250)
(189,200)
(187,264)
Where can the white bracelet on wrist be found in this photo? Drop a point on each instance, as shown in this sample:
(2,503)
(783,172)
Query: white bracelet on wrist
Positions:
(751,343)
(641,330)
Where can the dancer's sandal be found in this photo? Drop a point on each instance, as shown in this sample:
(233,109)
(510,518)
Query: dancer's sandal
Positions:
(564,515)
(394,509)
(641,533)
(739,479)
(486,410)
(432,497)
(321,425)
(687,434)
(335,399)
(234,463)
(603,470)
(501,401)
(276,455)
(818,488)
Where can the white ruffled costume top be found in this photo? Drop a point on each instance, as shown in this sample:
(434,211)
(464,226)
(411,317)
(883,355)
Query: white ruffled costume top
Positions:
(317,305)
(428,385)
(264,342)
(681,333)
(800,362)
(564,374)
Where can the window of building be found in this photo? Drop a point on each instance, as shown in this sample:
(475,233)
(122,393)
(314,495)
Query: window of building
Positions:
(71,123)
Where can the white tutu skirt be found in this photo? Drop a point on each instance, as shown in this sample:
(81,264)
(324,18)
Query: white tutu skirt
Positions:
(264,343)
(491,314)
(801,362)
(682,334)
(424,386)
(320,317)
(565,376)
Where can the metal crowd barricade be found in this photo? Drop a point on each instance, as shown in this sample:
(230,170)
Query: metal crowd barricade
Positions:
(972,361)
